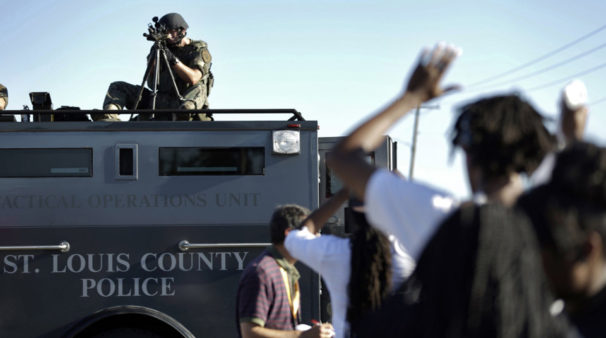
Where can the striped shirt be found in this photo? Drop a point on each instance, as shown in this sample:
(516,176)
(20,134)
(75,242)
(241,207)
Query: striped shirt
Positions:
(262,298)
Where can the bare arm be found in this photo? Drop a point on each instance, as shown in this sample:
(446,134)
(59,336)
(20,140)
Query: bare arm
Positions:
(346,158)
(251,330)
(190,75)
(184,72)
(316,220)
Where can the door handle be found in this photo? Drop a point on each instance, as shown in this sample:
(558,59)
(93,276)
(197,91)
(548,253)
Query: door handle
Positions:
(63,247)
(185,245)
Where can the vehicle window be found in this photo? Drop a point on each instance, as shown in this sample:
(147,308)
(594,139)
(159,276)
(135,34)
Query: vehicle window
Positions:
(46,162)
(334,184)
(211,161)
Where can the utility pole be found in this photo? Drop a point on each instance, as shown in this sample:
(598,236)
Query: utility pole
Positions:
(413,147)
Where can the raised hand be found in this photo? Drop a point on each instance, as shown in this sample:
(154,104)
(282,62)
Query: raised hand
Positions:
(431,67)
(172,59)
(573,111)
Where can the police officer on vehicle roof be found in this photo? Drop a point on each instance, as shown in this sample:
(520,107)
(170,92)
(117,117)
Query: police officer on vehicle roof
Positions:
(190,62)
(3,97)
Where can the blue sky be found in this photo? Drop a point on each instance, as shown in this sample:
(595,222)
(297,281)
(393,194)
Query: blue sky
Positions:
(336,62)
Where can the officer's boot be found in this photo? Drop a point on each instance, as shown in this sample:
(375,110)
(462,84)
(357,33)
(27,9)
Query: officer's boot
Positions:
(107,117)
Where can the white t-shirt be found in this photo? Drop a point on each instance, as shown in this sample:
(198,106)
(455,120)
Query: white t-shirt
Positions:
(330,256)
(408,210)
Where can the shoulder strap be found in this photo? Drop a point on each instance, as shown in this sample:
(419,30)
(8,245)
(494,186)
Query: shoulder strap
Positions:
(293,301)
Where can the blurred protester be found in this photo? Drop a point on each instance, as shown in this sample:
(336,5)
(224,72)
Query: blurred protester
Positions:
(408,210)
(268,299)
(359,271)
(569,216)
(503,137)
(479,276)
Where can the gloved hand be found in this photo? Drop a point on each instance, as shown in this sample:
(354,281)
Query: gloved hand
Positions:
(172,59)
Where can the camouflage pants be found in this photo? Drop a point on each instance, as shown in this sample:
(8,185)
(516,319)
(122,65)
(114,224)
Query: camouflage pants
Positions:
(124,95)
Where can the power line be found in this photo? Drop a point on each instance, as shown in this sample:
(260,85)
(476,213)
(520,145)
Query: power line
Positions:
(568,78)
(540,58)
(597,101)
(541,71)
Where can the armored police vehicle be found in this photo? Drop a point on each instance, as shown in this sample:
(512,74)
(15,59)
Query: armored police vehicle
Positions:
(138,229)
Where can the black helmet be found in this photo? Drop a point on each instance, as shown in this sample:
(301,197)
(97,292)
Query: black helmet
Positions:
(173,21)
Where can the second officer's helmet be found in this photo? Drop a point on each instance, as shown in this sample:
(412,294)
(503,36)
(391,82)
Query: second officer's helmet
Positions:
(173,21)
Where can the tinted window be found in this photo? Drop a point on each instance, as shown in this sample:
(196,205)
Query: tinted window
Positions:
(212,161)
(333,183)
(46,162)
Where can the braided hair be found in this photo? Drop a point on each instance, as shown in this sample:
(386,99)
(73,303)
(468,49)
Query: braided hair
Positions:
(370,278)
(502,135)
